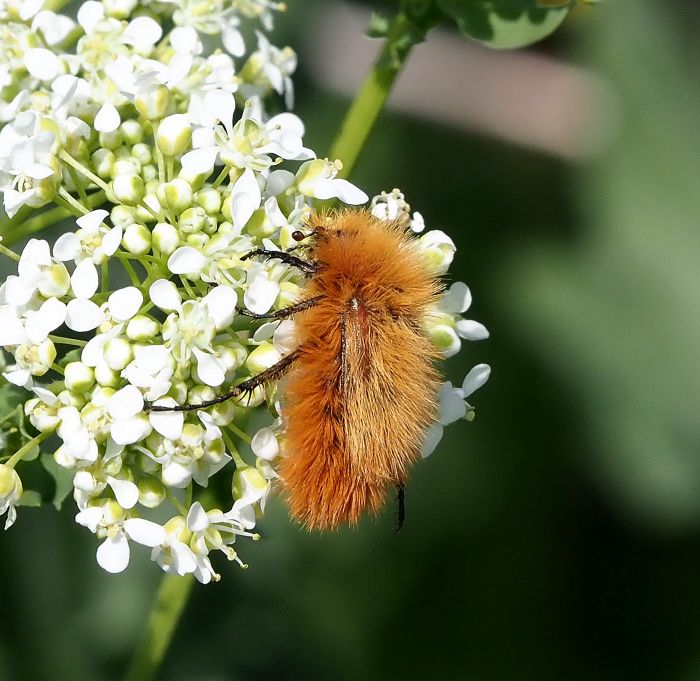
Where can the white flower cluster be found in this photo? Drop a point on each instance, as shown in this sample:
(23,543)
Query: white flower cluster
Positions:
(175,171)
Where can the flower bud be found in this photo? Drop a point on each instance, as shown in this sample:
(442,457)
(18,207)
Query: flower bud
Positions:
(106,377)
(142,153)
(128,188)
(102,161)
(263,357)
(119,9)
(121,216)
(445,339)
(142,328)
(137,239)
(78,377)
(176,195)
(174,135)
(210,200)
(165,238)
(260,225)
(149,173)
(110,140)
(201,393)
(10,493)
(248,483)
(438,250)
(118,353)
(132,131)
(55,282)
(265,444)
(153,103)
(198,241)
(151,492)
(251,399)
(288,295)
(192,220)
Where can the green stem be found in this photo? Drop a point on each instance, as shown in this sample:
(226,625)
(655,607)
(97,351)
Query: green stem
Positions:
(404,32)
(26,448)
(165,615)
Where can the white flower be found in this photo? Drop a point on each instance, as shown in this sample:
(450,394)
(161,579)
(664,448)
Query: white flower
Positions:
(317,179)
(10,493)
(269,67)
(453,405)
(93,240)
(247,144)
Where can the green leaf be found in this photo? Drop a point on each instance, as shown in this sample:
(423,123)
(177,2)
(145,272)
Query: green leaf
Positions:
(504,24)
(62,477)
(30,498)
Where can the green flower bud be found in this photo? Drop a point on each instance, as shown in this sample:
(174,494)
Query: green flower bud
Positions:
(102,161)
(260,225)
(151,492)
(132,131)
(142,152)
(289,294)
(106,377)
(176,195)
(153,103)
(198,241)
(142,328)
(122,216)
(263,357)
(174,135)
(78,377)
(110,140)
(192,220)
(149,173)
(137,239)
(118,353)
(165,238)
(128,189)
(210,200)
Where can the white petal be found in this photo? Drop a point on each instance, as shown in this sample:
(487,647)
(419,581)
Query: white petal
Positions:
(125,403)
(261,294)
(144,532)
(41,63)
(128,431)
(457,299)
(152,357)
(199,161)
(92,353)
(221,303)
(92,220)
(113,553)
(48,317)
(89,517)
(183,559)
(168,423)
(284,336)
(186,260)
(84,279)
(209,369)
(245,198)
(471,330)
(452,407)
(90,14)
(433,435)
(220,106)
(476,378)
(197,519)
(111,241)
(125,303)
(165,295)
(11,329)
(176,475)
(342,189)
(142,32)
(17,290)
(67,246)
(125,491)
(233,41)
(107,118)
(265,445)
(83,315)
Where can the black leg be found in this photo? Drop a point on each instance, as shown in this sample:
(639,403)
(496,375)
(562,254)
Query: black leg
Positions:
(401,514)
(303,265)
(247,386)
(285,312)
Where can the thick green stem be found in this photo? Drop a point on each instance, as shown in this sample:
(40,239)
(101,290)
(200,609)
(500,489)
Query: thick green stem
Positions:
(404,32)
(165,615)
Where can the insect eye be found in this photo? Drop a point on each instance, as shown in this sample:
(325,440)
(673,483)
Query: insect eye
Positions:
(297,235)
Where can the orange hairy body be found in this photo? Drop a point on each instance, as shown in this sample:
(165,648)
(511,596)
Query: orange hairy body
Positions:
(362,388)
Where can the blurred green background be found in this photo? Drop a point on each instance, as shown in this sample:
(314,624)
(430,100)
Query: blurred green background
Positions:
(556,537)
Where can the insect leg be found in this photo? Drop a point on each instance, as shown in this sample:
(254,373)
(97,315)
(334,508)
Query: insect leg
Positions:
(285,312)
(303,265)
(271,374)
(401,513)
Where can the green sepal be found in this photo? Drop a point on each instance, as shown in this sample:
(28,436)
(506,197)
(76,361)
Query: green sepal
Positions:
(30,498)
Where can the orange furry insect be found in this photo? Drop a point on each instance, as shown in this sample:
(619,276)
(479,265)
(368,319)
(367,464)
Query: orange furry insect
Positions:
(360,387)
